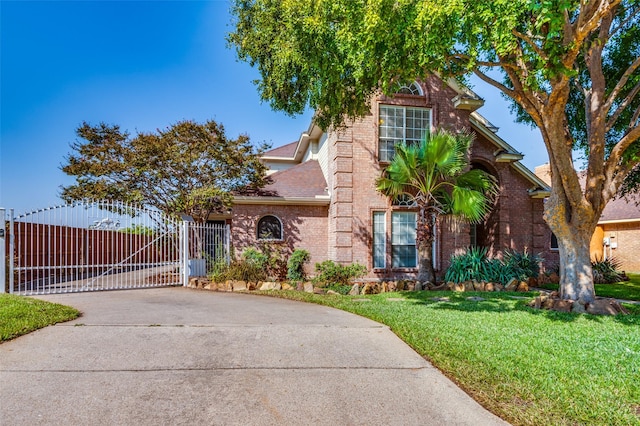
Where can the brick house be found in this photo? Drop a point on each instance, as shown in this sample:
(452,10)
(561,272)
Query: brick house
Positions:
(322,197)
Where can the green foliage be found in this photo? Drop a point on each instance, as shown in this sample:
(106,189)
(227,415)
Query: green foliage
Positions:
(239,269)
(138,229)
(606,271)
(522,264)
(295,265)
(187,168)
(275,254)
(330,273)
(474,264)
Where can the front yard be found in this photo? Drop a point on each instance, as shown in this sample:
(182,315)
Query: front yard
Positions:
(527,366)
(627,290)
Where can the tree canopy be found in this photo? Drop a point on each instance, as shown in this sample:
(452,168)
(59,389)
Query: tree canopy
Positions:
(186,168)
(571,67)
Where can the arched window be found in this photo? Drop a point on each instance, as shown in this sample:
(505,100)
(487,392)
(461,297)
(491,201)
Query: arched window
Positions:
(409,89)
(404,200)
(269,228)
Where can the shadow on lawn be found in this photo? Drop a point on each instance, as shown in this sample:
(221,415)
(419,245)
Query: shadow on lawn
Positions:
(508,302)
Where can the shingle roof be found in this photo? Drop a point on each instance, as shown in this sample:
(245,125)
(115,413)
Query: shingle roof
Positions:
(622,209)
(285,151)
(304,180)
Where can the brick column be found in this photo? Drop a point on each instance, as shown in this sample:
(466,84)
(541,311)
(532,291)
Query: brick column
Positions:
(342,202)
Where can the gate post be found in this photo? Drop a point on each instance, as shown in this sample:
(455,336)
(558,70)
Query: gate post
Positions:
(184,252)
(3,253)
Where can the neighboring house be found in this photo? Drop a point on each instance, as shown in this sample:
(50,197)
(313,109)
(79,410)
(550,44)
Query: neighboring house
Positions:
(617,234)
(323,198)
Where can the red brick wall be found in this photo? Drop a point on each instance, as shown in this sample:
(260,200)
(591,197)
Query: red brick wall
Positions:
(627,238)
(303,227)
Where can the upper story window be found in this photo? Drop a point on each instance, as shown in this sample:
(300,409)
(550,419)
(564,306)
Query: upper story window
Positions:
(398,124)
(269,228)
(409,89)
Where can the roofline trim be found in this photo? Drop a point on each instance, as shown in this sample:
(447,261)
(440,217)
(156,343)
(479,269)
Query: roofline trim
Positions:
(318,200)
(614,221)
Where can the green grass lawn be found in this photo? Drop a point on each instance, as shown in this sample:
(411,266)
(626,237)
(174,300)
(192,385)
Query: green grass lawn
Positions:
(21,315)
(627,290)
(526,366)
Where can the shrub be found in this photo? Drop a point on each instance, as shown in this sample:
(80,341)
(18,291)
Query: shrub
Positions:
(606,271)
(239,269)
(474,264)
(522,265)
(295,265)
(330,273)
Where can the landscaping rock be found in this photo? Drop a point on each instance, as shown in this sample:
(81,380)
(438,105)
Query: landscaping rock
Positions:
(270,285)
(400,285)
(300,286)
(498,287)
(392,285)
(468,286)
(252,285)
(307,287)
(459,287)
(286,286)
(239,286)
(478,286)
(532,282)
(522,287)
(451,285)
(409,285)
(384,287)
(417,286)
(489,287)
(355,290)
(606,307)
(332,292)
(318,290)
(579,307)
(512,285)
(554,278)
(560,305)
(441,287)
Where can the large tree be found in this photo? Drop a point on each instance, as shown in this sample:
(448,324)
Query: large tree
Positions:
(570,66)
(186,168)
(435,173)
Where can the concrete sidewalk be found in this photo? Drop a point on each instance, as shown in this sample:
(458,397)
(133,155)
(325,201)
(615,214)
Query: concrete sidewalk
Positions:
(175,356)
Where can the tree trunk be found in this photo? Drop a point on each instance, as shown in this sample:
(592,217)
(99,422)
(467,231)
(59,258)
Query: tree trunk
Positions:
(576,275)
(573,231)
(424,241)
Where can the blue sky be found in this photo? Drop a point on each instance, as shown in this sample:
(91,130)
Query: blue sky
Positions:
(142,65)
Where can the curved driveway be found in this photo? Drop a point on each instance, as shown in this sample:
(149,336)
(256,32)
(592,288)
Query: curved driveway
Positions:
(174,356)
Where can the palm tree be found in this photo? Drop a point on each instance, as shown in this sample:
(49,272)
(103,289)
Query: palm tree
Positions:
(434,174)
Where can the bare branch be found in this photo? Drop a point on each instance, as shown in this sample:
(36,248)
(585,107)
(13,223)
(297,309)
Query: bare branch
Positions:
(527,39)
(616,91)
(618,151)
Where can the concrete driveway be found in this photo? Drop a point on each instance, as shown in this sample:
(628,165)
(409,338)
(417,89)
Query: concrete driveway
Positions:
(173,356)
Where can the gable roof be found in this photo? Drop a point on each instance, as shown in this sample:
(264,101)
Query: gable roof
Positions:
(284,151)
(303,183)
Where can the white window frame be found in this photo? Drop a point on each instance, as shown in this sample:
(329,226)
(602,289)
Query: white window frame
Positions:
(397,237)
(379,240)
(390,132)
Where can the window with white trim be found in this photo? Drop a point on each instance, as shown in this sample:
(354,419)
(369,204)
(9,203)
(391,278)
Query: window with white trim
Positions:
(379,240)
(269,228)
(403,240)
(398,124)
(409,89)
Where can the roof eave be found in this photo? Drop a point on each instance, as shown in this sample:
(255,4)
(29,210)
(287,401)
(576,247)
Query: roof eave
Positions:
(318,200)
